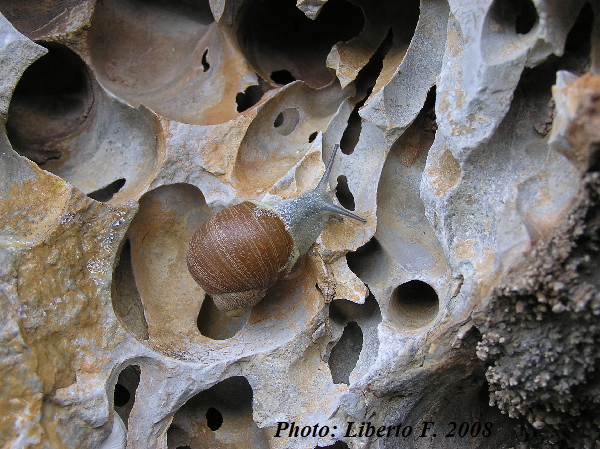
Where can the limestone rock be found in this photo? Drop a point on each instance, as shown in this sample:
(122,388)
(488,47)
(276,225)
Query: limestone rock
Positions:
(469,142)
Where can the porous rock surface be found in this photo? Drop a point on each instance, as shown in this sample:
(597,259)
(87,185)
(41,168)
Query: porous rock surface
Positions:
(469,134)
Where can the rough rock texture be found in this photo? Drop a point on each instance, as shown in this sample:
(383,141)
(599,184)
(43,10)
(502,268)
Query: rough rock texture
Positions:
(469,135)
(541,328)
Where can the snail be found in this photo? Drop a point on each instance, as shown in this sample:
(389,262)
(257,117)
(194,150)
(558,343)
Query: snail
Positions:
(243,250)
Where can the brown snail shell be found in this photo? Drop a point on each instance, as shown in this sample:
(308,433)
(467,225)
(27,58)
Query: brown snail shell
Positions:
(243,250)
(239,253)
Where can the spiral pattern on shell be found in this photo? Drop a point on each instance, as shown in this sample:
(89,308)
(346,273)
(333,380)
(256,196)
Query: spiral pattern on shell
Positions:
(241,249)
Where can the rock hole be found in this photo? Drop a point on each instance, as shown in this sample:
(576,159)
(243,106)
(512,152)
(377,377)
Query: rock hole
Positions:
(345,353)
(245,100)
(231,401)
(214,419)
(282,77)
(517,15)
(414,304)
(177,438)
(205,64)
(364,257)
(343,194)
(147,52)
(51,101)
(126,299)
(360,323)
(578,44)
(411,148)
(345,311)
(527,16)
(336,445)
(430,120)
(166,220)
(352,132)
(367,76)
(312,137)
(286,121)
(364,82)
(278,120)
(106,193)
(213,323)
(124,393)
(282,43)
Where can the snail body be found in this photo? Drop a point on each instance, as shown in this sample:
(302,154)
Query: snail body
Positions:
(243,250)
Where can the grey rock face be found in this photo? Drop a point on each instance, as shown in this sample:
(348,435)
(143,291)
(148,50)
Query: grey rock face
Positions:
(464,313)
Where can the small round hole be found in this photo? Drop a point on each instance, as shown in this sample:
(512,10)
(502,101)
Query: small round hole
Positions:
(312,137)
(214,419)
(286,121)
(278,120)
(122,395)
(414,304)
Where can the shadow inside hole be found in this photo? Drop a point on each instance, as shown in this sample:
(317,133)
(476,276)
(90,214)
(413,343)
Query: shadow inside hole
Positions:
(578,46)
(106,193)
(336,445)
(367,76)
(283,44)
(245,100)
(282,77)
(214,419)
(205,64)
(126,299)
(364,82)
(286,121)
(124,393)
(51,101)
(213,323)
(344,311)
(518,15)
(313,136)
(223,413)
(177,438)
(365,257)
(344,355)
(352,132)
(411,148)
(343,194)
(414,304)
